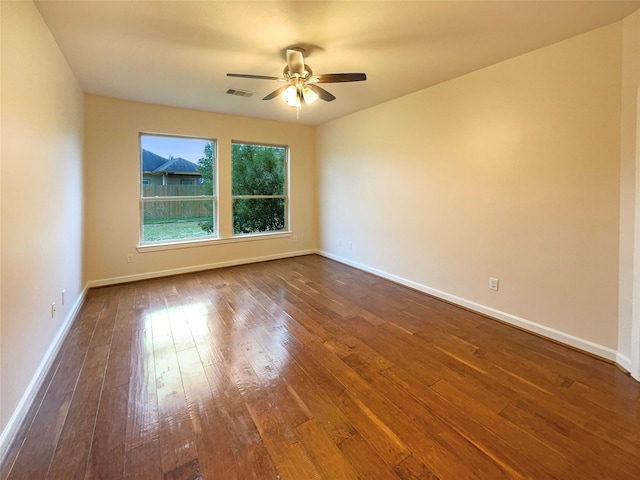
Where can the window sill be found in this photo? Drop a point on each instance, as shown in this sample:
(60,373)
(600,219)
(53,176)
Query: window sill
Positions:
(156,247)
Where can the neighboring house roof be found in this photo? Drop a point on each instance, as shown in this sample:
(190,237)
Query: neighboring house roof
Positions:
(153,163)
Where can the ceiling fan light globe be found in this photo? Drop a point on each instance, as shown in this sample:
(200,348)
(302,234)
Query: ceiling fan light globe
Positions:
(309,95)
(290,96)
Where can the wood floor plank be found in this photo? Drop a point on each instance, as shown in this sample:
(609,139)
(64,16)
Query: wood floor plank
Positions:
(201,413)
(74,445)
(107,456)
(225,423)
(384,440)
(143,462)
(324,454)
(142,447)
(236,431)
(319,404)
(368,464)
(142,415)
(304,368)
(413,468)
(177,439)
(283,443)
(40,444)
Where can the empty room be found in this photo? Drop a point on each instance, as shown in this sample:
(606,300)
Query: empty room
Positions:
(319,240)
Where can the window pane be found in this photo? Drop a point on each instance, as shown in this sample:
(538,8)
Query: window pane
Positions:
(176,166)
(173,167)
(257,170)
(256,215)
(175,220)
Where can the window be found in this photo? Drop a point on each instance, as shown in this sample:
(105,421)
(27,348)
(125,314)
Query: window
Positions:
(178,194)
(259,193)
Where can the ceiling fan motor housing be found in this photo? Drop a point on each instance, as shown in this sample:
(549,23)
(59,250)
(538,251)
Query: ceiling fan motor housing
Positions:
(288,74)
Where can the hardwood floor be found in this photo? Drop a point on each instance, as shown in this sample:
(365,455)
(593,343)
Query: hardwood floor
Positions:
(308,369)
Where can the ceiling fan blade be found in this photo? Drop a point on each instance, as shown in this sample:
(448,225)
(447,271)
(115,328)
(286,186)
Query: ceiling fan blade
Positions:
(338,77)
(275,93)
(259,77)
(295,60)
(322,93)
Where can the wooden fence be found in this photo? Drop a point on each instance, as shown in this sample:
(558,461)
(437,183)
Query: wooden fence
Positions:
(175,210)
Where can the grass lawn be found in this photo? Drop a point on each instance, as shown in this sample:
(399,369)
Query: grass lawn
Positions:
(158,232)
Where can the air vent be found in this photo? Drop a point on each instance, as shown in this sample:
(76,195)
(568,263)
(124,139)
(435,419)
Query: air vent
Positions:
(239,93)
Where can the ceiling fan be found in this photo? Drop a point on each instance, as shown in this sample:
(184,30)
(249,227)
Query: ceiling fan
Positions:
(301,83)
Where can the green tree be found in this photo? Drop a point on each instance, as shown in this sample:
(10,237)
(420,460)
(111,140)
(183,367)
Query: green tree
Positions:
(205,167)
(258,171)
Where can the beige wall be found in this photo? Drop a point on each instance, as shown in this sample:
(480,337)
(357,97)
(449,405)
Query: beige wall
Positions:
(112,188)
(41,188)
(509,172)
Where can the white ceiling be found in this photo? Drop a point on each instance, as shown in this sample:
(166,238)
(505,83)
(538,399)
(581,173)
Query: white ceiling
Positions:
(179,52)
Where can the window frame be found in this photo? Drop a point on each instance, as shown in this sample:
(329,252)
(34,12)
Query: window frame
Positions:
(285,195)
(177,242)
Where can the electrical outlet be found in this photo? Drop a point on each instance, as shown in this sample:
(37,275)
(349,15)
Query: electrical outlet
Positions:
(350,245)
(339,243)
(295,238)
(493,284)
(62,297)
(129,257)
(53,309)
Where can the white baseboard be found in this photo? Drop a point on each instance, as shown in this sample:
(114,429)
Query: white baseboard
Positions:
(14,423)
(195,268)
(624,362)
(548,332)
